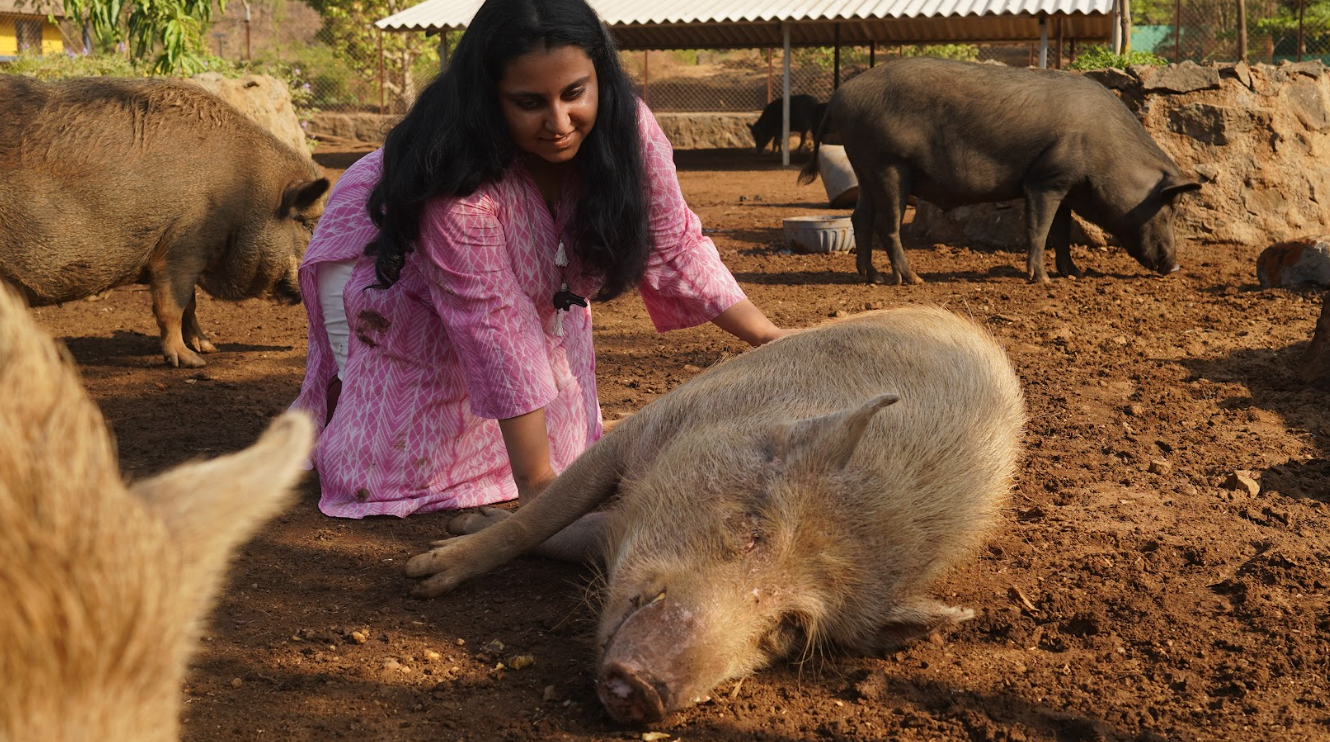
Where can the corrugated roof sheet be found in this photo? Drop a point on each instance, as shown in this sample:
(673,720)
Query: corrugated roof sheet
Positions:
(699,24)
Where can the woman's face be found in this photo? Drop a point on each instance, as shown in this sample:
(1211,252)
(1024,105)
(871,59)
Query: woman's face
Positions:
(549,99)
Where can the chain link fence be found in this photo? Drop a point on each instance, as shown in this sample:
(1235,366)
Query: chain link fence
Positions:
(1210,30)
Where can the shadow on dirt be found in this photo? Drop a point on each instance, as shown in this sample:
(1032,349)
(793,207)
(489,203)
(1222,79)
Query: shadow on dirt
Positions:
(1270,375)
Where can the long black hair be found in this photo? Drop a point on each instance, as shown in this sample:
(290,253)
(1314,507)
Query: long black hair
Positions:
(455,139)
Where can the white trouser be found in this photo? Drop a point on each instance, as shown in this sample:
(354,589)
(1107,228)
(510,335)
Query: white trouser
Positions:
(332,277)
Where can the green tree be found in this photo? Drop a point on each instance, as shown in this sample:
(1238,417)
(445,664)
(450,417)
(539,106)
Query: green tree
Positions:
(348,28)
(172,33)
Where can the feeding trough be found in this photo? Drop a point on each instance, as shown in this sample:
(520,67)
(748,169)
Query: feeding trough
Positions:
(819,234)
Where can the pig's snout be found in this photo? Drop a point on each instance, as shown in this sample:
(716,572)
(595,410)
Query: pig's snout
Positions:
(631,695)
(287,290)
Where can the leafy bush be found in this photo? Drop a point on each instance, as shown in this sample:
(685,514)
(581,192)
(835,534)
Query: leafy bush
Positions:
(1101,57)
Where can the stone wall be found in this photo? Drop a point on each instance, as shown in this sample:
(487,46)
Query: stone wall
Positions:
(1257,137)
(263,99)
(684,130)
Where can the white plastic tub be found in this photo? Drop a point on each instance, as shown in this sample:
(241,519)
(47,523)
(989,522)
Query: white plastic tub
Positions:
(819,234)
(837,176)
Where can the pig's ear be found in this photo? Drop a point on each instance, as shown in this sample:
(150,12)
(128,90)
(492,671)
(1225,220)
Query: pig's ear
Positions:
(211,507)
(302,194)
(829,441)
(1175,186)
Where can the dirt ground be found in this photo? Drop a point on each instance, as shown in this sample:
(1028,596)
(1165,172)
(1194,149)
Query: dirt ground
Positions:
(1128,593)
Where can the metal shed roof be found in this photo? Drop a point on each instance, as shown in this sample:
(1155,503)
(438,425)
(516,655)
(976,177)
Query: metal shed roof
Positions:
(706,24)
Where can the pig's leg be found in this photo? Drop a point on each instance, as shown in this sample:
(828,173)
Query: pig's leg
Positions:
(193,332)
(172,291)
(894,192)
(862,220)
(581,488)
(581,543)
(1059,238)
(917,619)
(1041,207)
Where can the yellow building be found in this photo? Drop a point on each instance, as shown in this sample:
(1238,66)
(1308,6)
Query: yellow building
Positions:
(26,28)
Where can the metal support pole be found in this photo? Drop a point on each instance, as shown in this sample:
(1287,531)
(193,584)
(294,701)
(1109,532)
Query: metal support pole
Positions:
(381,98)
(1043,42)
(247,54)
(872,54)
(646,77)
(443,50)
(785,99)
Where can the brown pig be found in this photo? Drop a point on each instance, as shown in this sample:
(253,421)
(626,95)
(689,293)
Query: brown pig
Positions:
(114,181)
(800,496)
(103,588)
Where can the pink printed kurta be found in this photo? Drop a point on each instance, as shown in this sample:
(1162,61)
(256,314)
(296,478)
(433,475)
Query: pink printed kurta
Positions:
(467,336)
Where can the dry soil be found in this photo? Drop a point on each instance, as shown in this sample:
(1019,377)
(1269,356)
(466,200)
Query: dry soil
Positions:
(1134,590)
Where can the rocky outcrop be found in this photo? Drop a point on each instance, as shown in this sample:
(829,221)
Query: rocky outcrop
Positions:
(1303,262)
(1257,137)
(264,99)
(370,128)
(708,130)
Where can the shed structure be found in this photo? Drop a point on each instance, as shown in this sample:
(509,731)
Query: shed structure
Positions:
(755,24)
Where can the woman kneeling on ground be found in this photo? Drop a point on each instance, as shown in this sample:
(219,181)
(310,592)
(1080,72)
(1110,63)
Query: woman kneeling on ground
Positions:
(446,282)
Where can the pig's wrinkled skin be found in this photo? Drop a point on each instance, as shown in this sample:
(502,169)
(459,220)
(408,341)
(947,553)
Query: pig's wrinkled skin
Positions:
(955,133)
(103,588)
(110,181)
(802,495)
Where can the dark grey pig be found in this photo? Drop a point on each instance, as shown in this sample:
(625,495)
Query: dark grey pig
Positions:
(767,507)
(109,181)
(955,133)
(805,116)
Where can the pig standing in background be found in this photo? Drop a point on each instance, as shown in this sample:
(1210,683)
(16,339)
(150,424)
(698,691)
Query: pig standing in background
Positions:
(114,181)
(804,494)
(805,116)
(955,133)
(103,589)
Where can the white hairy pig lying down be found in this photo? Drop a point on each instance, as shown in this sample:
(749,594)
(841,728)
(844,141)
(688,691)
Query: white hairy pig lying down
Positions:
(802,495)
(103,588)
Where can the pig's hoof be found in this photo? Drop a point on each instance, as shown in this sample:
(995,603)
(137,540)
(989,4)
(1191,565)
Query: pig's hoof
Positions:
(469,523)
(184,357)
(202,345)
(630,697)
(911,279)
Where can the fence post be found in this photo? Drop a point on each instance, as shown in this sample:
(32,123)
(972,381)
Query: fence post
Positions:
(1126,26)
(768,74)
(646,76)
(1242,30)
(1058,66)
(835,74)
(1302,6)
(785,99)
(381,101)
(1177,31)
(247,55)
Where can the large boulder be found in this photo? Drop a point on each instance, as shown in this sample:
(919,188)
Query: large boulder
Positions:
(1257,140)
(263,99)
